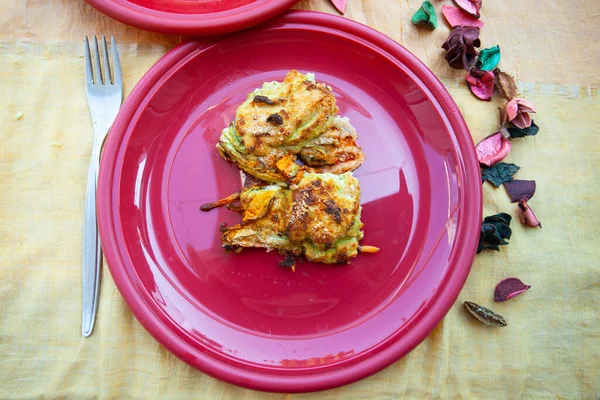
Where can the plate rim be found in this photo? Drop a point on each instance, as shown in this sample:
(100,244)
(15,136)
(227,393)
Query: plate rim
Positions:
(462,254)
(191,24)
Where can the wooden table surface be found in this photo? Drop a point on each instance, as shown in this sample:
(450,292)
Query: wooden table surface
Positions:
(550,349)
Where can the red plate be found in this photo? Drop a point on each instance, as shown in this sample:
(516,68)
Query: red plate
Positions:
(241,317)
(192,17)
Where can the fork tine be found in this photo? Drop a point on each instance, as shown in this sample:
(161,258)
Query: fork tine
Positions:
(89,74)
(107,77)
(99,79)
(117,73)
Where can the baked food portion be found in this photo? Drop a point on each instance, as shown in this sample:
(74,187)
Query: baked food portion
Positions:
(286,127)
(318,218)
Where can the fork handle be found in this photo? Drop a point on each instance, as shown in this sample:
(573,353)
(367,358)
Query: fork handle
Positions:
(92,252)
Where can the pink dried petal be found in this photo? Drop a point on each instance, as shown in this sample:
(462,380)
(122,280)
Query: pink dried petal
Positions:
(492,149)
(457,17)
(509,288)
(470,6)
(518,111)
(481,83)
(522,120)
(527,216)
(339,5)
(520,190)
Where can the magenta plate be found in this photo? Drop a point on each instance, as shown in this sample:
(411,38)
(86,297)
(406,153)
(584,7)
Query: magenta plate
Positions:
(240,317)
(192,17)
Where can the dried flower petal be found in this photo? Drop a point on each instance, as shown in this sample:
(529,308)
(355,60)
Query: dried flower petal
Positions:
(489,58)
(470,6)
(509,288)
(506,84)
(339,5)
(527,216)
(503,116)
(481,83)
(499,173)
(519,133)
(520,190)
(485,315)
(494,230)
(460,47)
(492,149)
(518,111)
(425,16)
(457,17)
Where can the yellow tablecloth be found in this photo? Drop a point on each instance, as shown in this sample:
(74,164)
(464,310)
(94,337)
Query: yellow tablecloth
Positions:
(551,347)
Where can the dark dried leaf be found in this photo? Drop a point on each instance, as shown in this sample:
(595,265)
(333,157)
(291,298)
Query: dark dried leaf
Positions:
(460,47)
(275,119)
(519,133)
(519,190)
(485,315)
(509,288)
(494,230)
(499,173)
(500,217)
(506,85)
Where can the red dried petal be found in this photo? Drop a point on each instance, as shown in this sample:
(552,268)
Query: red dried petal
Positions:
(509,288)
(492,149)
(481,83)
(457,17)
(470,6)
(520,190)
(527,216)
(339,5)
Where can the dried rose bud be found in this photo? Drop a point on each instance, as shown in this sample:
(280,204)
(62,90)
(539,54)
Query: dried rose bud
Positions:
(481,83)
(506,85)
(460,47)
(457,17)
(518,111)
(527,215)
(492,149)
(509,288)
(519,190)
(485,315)
(470,6)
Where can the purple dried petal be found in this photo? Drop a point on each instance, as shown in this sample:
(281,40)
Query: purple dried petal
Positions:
(509,288)
(460,47)
(520,190)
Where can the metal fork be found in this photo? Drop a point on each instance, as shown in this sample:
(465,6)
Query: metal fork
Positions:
(105,94)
